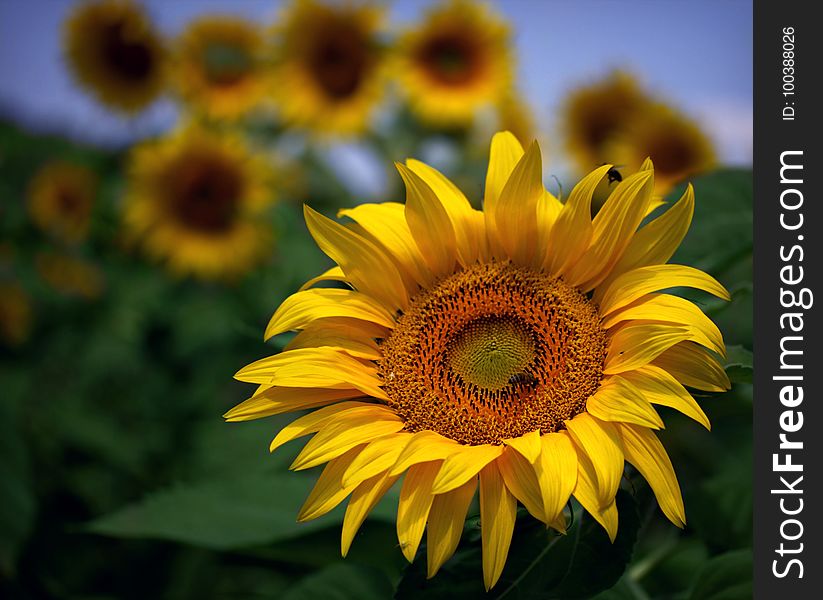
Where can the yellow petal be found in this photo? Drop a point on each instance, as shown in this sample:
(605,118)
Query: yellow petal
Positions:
(528,445)
(363,499)
(647,454)
(505,152)
(387,225)
(672,309)
(333,274)
(458,208)
(631,285)
(302,308)
(515,218)
(328,492)
(655,243)
(378,456)
(498,509)
(429,223)
(413,508)
(695,367)
(312,422)
(617,400)
(359,259)
(446,519)
(573,230)
(614,227)
(521,479)
(353,337)
(548,210)
(461,466)
(556,470)
(422,447)
(586,492)
(276,400)
(600,442)
(314,367)
(344,431)
(633,346)
(659,387)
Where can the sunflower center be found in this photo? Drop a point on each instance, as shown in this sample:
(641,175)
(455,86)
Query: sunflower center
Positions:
(493,352)
(128,58)
(450,59)
(339,61)
(225,64)
(206,195)
(671,155)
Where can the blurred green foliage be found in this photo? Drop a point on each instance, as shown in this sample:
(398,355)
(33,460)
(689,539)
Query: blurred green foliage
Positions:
(119,479)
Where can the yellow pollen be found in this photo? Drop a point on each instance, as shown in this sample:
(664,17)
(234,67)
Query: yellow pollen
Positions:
(493,352)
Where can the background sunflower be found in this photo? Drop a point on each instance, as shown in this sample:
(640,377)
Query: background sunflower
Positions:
(118,343)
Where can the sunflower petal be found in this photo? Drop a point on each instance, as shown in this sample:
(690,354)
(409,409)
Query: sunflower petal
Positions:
(379,455)
(586,492)
(695,367)
(600,442)
(646,453)
(633,346)
(498,509)
(556,470)
(424,446)
(363,499)
(277,400)
(328,491)
(429,223)
(333,274)
(461,466)
(528,445)
(352,428)
(446,519)
(415,503)
(312,422)
(633,284)
(521,479)
(302,308)
(659,387)
(515,218)
(617,400)
(505,153)
(353,337)
(359,259)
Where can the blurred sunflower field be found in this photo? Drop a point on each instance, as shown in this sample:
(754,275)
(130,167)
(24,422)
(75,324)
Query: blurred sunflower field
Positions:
(145,245)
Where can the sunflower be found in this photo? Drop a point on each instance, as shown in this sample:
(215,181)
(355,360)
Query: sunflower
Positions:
(15,315)
(328,66)
(219,68)
(69,275)
(594,114)
(676,144)
(517,351)
(60,200)
(114,51)
(195,201)
(457,61)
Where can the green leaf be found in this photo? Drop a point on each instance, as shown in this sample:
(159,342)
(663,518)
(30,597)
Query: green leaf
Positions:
(726,577)
(739,364)
(541,563)
(342,581)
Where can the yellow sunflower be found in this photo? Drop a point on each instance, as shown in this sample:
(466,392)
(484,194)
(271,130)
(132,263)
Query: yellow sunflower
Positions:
(517,350)
(69,275)
(219,68)
(676,144)
(195,201)
(114,51)
(457,61)
(594,114)
(60,200)
(328,71)
(15,315)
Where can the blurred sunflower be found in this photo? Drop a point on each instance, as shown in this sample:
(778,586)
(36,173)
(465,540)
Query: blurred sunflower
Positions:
(195,200)
(457,61)
(15,314)
(676,144)
(114,51)
(518,350)
(328,66)
(219,68)
(69,275)
(595,114)
(60,200)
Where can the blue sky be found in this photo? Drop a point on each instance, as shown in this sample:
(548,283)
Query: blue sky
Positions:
(697,54)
